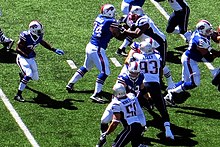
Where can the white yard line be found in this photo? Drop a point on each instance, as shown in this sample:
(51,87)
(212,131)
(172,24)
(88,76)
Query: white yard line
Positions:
(115,62)
(164,13)
(71,64)
(18,119)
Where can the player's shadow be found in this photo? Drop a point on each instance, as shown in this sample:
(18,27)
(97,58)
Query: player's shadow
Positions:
(183,136)
(7,56)
(82,91)
(104,94)
(181,48)
(46,101)
(201,112)
(175,56)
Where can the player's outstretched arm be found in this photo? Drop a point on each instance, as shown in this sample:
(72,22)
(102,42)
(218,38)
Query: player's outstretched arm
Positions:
(49,47)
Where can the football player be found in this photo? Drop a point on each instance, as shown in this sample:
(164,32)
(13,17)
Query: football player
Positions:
(132,80)
(141,26)
(126,110)
(103,32)
(199,48)
(180,18)
(28,41)
(150,65)
(5,41)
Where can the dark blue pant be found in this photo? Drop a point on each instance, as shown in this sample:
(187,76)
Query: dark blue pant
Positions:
(179,18)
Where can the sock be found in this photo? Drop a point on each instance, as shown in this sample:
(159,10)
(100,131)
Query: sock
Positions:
(19,92)
(126,43)
(99,82)
(78,75)
(23,83)
(167,74)
(104,127)
(98,87)
(167,125)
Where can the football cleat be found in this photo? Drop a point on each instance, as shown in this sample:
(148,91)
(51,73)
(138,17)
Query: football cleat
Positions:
(121,52)
(8,45)
(97,98)
(19,98)
(101,143)
(169,100)
(70,88)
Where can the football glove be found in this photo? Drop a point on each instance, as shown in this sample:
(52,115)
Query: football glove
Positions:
(59,52)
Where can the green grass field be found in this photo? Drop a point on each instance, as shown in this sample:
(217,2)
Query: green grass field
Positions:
(58,119)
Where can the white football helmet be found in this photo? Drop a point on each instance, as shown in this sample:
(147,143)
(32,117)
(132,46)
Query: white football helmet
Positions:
(108,10)
(36,28)
(134,70)
(147,46)
(137,10)
(119,90)
(204,28)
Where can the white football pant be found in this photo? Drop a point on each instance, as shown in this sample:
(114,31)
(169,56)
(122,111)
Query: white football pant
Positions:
(96,57)
(28,67)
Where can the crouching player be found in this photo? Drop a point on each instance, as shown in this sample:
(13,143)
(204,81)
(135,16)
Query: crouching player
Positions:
(125,109)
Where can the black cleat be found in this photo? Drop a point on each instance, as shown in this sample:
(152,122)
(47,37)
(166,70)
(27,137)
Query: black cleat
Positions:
(19,98)
(121,52)
(101,143)
(97,98)
(70,88)
(169,100)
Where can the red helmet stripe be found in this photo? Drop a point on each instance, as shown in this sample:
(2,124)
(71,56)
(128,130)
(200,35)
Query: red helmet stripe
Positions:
(136,66)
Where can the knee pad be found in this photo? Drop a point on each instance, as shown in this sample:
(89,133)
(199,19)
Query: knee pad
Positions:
(25,79)
(101,78)
(82,71)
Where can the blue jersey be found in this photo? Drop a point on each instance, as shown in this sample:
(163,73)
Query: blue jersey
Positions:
(31,44)
(135,2)
(101,34)
(133,86)
(195,42)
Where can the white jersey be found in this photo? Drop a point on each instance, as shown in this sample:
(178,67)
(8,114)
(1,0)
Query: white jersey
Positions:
(130,108)
(177,4)
(153,30)
(150,66)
